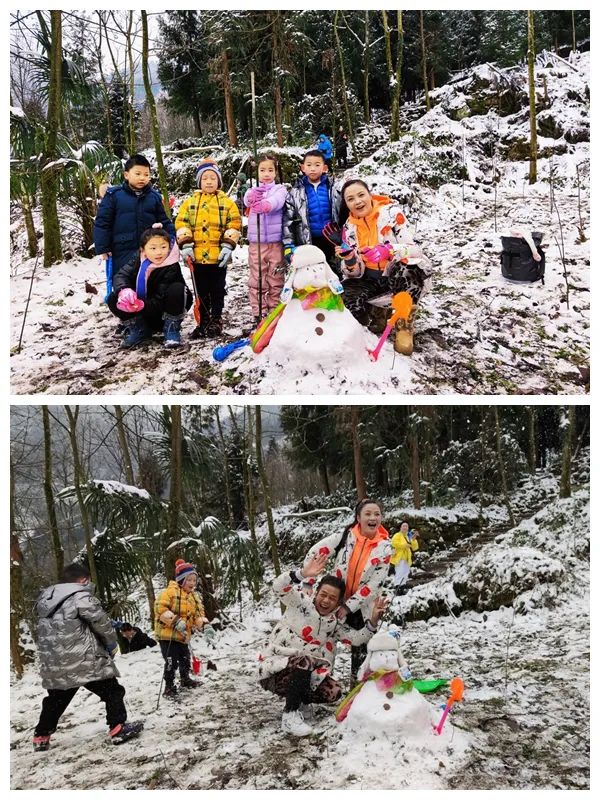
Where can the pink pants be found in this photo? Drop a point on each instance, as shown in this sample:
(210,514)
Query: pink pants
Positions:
(272,275)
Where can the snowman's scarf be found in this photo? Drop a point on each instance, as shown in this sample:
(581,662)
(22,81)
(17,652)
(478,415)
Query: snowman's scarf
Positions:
(386,682)
(310,297)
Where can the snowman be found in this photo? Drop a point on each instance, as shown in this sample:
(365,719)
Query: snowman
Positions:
(386,703)
(312,323)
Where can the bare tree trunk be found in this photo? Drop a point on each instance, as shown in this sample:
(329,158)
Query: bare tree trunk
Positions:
(127,466)
(366,62)
(16,584)
(424,63)
(153,117)
(361,489)
(324,477)
(569,436)
(32,241)
(57,548)
(278,113)
(103,84)
(392,76)
(532,111)
(355,154)
(266,496)
(132,145)
(173,531)
(49,179)
(532,441)
(415,464)
(77,479)
(398,83)
(229,116)
(574,45)
(226,470)
(251,507)
(501,469)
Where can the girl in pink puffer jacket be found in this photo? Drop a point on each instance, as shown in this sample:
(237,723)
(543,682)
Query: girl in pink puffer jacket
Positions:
(265,201)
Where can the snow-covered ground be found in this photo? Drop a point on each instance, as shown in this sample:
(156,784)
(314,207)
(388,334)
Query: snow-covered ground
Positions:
(523,723)
(475,332)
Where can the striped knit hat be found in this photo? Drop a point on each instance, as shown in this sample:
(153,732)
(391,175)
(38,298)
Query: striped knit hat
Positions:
(183,569)
(208,164)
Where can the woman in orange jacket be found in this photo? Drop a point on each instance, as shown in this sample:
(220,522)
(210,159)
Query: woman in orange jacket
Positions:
(379,256)
(362,554)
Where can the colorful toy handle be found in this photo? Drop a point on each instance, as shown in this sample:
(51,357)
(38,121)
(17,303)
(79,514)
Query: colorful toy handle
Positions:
(223,351)
(109,278)
(457,688)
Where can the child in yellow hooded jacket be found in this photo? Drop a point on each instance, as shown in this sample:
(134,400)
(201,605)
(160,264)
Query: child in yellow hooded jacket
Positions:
(178,611)
(208,227)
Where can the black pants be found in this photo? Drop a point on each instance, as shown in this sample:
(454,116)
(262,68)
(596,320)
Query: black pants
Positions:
(358,653)
(358,291)
(56,701)
(210,285)
(176,656)
(175,302)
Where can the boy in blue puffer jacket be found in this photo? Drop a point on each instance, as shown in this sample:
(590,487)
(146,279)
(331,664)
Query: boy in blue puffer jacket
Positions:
(312,203)
(126,211)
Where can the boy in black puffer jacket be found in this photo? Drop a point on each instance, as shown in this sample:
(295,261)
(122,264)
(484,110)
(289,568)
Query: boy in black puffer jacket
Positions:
(149,292)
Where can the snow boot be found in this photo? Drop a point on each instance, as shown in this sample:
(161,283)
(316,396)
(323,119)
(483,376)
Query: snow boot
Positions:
(189,683)
(128,730)
(292,723)
(378,320)
(41,744)
(171,692)
(215,328)
(136,332)
(403,336)
(172,330)
(307,712)
(199,331)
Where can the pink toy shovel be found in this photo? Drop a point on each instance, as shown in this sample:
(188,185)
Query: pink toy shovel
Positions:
(457,688)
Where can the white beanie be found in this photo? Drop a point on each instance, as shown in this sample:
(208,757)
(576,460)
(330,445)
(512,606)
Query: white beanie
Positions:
(307,255)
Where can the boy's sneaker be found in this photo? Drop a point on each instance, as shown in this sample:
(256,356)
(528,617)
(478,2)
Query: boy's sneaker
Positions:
(199,331)
(292,723)
(41,743)
(136,332)
(128,730)
(214,328)
(189,683)
(172,330)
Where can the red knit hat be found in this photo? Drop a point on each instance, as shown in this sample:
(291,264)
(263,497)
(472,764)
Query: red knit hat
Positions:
(183,569)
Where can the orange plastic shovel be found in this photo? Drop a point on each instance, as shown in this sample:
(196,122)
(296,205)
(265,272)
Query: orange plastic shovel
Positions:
(457,688)
(402,305)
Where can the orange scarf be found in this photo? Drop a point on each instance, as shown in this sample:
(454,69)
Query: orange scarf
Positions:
(362,551)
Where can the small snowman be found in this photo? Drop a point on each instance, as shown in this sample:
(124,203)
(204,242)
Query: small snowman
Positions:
(312,322)
(386,702)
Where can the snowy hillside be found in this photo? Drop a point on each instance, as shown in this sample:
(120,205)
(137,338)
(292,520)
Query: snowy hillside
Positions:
(461,173)
(525,667)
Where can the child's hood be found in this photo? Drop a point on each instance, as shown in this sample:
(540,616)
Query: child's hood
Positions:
(54,596)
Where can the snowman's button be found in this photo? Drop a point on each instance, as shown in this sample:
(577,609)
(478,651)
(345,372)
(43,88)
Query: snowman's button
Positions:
(389,695)
(320,317)
(387,706)
(319,331)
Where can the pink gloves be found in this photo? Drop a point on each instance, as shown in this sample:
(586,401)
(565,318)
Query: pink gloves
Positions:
(381,252)
(129,301)
(262,207)
(255,195)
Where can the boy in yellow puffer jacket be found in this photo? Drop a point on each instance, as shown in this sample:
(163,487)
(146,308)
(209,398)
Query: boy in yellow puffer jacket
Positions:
(178,611)
(208,227)
(404,544)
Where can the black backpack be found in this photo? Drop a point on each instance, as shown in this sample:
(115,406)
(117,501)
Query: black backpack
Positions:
(517,261)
